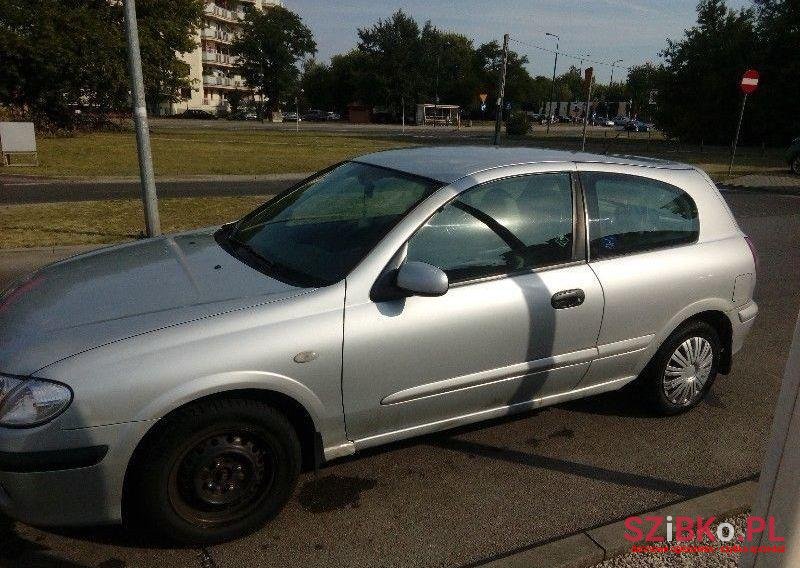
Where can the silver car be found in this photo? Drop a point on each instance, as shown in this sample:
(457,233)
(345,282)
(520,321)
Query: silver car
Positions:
(184,382)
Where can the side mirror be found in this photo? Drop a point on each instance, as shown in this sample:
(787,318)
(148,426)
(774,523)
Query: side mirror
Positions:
(422,279)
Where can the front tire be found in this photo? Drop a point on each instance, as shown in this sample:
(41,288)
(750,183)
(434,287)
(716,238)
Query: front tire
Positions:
(684,368)
(215,471)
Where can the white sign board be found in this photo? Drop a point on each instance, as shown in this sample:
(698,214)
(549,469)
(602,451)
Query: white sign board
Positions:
(17,137)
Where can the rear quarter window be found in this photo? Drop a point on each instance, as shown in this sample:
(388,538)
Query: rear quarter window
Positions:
(630,214)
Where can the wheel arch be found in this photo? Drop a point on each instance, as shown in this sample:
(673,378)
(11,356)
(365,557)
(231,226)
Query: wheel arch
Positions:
(717,318)
(724,328)
(298,415)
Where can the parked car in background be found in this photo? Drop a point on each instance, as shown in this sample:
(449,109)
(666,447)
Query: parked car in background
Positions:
(565,119)
(621,120)
(315,115)
(392,295)
(602,121)
(793,156)
(538,118)
(637,126)
(291,116)
(244,114)
(196,113)
(330,115)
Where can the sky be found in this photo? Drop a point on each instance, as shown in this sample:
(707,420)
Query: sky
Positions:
(632,30)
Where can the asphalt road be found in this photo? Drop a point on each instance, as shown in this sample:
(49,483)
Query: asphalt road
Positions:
(21,191)
(463,497)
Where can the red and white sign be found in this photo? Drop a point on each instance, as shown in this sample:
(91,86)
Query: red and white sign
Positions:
(749,81)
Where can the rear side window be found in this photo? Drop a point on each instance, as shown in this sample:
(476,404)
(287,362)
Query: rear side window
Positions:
(500,227)
(629,214)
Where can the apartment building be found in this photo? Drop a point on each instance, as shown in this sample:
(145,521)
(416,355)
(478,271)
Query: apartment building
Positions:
(212,67)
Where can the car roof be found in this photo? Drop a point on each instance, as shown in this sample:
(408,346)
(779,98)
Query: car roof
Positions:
(450,163)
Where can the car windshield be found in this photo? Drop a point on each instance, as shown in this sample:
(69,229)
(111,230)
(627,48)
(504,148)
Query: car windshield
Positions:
(317,233)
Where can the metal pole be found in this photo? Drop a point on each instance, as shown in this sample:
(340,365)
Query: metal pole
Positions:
(149,197)
(776,502)
(403,104)
(552,84)
(297,113)
(501,93)
(736,139)
(586,112)
(436,89)
(611,81)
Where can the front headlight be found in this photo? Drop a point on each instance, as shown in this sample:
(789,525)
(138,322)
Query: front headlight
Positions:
(31,402)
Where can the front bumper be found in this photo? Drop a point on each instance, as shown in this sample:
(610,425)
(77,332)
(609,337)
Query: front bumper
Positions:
(54,477)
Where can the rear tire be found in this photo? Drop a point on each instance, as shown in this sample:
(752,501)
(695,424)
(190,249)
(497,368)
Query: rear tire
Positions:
(794,165)
(215,471)
(683,369)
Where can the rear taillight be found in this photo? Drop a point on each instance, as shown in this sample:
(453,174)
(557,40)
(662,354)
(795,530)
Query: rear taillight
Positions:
(752,250)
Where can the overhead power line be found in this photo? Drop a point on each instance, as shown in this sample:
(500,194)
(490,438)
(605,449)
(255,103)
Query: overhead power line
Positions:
(569,55)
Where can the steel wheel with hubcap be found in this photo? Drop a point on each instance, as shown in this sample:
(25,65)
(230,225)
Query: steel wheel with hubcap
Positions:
(688,370)
(683,369)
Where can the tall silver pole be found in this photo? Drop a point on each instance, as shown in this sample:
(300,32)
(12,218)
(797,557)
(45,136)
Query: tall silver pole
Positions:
(736,139)
(149,198)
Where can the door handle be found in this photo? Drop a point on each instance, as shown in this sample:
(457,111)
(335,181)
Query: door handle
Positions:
(567,299)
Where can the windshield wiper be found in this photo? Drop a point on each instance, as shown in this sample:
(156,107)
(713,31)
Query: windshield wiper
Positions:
(269,267)
(251,251)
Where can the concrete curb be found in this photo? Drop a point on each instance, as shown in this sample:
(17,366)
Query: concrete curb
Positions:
(593,546)
(60,249)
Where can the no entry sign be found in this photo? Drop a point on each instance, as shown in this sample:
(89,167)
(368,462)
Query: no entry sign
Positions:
(749,81)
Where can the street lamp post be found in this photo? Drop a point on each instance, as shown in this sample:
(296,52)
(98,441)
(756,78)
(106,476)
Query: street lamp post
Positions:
(436,86)
(611,82)
(553,84)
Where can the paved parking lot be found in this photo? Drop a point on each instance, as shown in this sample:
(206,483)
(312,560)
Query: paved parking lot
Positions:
(462,497)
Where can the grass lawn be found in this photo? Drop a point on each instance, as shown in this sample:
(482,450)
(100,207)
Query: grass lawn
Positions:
(179,151)
(110,221)
(192,152)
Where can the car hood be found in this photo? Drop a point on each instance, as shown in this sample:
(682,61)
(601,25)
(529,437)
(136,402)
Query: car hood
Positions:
(119,292)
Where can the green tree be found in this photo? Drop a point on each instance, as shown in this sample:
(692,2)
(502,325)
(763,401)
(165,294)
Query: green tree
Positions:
(57,56)
(698,95)
(394,51)
(166,27)
(270,46)
(448,68)
(316,84)
(519,84)
(642,80)
(772,108)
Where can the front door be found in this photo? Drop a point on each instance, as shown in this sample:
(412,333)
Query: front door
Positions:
(520,321)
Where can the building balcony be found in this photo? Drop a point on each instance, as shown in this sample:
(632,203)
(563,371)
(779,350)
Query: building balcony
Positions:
(222,82)
(219,58)
(220,13)
(219,36)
